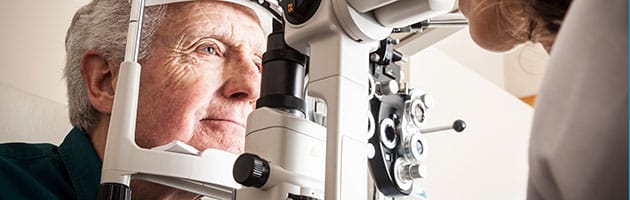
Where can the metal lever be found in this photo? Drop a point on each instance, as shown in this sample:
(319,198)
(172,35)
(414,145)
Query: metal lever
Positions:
(452,20)
(458,125)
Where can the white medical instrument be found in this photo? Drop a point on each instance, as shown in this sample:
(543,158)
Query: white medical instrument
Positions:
(332,121)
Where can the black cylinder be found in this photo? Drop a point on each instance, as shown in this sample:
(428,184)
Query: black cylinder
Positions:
(250,170)
(282,75)
(113,191)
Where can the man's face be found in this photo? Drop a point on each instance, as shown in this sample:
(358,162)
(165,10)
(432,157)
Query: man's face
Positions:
(202,77)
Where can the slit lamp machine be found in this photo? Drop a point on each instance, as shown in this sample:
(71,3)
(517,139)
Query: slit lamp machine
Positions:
(334,119)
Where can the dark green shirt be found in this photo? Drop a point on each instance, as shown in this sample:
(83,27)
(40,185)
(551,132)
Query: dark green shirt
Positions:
(45,171)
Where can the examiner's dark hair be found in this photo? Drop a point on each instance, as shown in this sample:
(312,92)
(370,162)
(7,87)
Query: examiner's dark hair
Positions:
(532,20)
(549,13)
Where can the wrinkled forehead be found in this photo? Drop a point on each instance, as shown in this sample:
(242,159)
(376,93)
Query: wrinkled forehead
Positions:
(264,17)
(230,24)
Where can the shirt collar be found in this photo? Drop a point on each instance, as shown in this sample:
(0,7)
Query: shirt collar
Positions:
(82,163)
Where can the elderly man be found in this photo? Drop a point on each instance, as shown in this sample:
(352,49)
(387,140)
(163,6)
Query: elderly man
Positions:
(200,79)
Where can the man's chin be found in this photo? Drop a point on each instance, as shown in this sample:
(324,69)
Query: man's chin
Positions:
(223,126)
(228,138)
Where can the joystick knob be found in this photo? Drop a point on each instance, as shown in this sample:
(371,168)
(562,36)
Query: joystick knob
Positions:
(250,170)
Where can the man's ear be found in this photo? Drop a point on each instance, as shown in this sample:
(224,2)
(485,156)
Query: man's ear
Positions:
(99,80)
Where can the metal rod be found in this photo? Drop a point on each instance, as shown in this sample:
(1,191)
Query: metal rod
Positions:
(445,23)
(135,27)
(458,126)
(435,129)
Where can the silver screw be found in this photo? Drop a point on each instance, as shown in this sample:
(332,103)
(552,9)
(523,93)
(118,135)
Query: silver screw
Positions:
(413,171)
(374,57)
(391,87)
(418,113)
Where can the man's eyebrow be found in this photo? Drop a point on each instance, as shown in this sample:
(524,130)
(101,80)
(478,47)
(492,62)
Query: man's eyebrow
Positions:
(226,37)
(222,36)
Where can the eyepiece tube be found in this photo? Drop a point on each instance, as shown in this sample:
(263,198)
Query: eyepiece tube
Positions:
(283,75)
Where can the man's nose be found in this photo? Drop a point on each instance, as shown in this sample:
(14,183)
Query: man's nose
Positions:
(242,79)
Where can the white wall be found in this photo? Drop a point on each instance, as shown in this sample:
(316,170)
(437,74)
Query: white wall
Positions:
(489,160)
(524,69)
(519,71)
(32,57)
(462,49)
(32,51)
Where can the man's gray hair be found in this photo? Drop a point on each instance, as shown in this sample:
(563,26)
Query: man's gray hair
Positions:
(101,26)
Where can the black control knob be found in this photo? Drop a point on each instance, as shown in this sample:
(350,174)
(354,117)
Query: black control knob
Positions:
(299,11)
(250,170)
(459,125)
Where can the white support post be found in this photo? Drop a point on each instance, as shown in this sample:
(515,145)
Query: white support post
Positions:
(338,75)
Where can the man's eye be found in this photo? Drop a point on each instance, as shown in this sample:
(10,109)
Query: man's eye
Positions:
(210,50)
